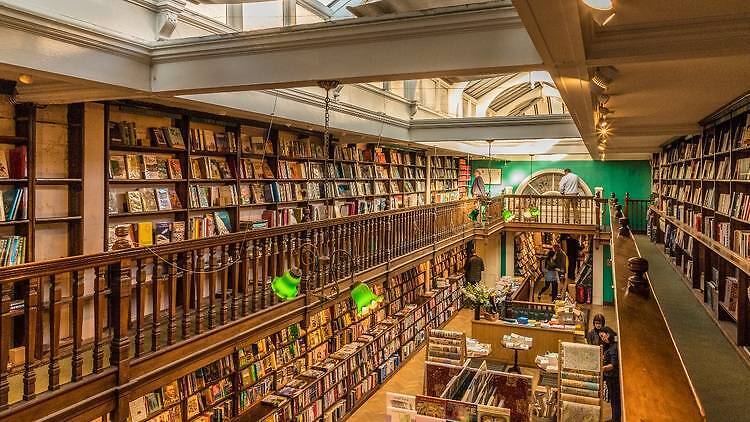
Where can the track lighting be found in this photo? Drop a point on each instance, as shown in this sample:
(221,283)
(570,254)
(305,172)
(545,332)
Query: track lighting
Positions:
(602,147)
(603,77)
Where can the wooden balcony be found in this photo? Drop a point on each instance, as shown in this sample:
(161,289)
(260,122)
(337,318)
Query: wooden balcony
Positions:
(82,336)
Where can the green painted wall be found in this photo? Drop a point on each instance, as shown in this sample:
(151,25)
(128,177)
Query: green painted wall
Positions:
(608,291)
(613,176)
(503,251)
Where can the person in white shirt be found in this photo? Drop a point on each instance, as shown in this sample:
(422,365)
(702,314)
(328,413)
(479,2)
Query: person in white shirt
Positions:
(569,187)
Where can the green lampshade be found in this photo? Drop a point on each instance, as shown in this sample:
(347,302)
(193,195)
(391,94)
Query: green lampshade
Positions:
(535,212)
(364,298)
(473,215)
(508,215)
(285,286)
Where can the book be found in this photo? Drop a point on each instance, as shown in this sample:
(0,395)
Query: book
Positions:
(245,195)
(163,234)
(117,168)
(150,166)
(138,409)
(4,172)
(178,231)
(135,202)
(223,222)
(17,162)
(153,401)
(113,209)
(174,199)
(163,201)
(148,198)
(157,137)
(174,137)
(162,168)
(134,167)
(145,233)
(175,168)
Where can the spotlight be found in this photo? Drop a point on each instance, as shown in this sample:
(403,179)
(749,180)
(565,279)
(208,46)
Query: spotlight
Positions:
(603,77)
(599,4)
(25,79)
(602,147)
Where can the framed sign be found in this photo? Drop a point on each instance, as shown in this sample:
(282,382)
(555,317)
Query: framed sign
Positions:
(491,176)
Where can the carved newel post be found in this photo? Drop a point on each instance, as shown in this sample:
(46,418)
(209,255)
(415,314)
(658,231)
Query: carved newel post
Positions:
(624,227)
(637,283)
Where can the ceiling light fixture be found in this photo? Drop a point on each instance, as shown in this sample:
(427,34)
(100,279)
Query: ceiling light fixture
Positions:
(599,4)
(602,147)
(25,79)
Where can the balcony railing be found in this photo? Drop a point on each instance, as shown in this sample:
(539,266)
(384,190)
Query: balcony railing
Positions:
(550,209)
(106,311)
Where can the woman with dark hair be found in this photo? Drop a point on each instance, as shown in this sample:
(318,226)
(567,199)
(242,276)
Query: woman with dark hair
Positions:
(550,276)
(592,337)
(611,370)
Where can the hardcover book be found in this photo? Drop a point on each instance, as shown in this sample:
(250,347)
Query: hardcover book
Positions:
(148,197)
(117,167)
(135,204)
(157,137)
(174,137)
(163,234)
(151,167)
(174,199)
(145,235)
(223,223)
(178,231)
(161,166)
(134,166)
(162,199)
(175,168)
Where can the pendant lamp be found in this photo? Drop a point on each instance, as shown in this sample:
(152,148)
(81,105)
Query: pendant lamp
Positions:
(285,286)
(364,298)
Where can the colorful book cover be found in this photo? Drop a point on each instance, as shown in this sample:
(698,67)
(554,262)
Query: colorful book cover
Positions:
(151,166)
(174,137)
(430,406)
(134,167)
(162,199)
(135,203)
(175,168)
(223,222)
(145,233)
(117,167)
(178,231)
(149,200)
(174,199)
(163,232)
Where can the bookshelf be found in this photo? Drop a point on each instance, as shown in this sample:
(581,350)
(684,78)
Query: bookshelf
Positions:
(320,367)
(701,190)
(444,180)
(197,175)
(527,263)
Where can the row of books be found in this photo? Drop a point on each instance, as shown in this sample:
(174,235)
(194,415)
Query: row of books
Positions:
(211,168)
(440,173)
(143,200)
(443,162)
(217,223)
(15,165)
(158,405)
(12,250)
(208,140)
(14,204)
(126,133)
(147,233)
(741,206)
(144,166)
(213,196)
(291,145)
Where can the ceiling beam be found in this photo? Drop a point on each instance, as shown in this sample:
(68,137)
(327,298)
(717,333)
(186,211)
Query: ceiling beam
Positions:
(469,40)
(497,128)
(555,28)
(713,36)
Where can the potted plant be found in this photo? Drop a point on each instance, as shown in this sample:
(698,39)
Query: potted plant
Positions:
(479,296)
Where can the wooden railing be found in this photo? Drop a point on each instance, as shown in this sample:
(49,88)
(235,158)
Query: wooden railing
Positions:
(637,212)
(552,209)
(127,306)
(648,353)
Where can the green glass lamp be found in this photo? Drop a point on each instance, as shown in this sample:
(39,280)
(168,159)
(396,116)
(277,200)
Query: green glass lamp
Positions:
(508,215)
(285,286)
(474,214)
(364,298)
(535,212)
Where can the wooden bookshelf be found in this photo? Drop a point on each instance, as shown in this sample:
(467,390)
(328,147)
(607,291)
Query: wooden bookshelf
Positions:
(274,176)
(320,368)
(444,180)
(701,212)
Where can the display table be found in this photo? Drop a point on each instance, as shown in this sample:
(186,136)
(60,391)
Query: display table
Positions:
(545,339)
(515,348)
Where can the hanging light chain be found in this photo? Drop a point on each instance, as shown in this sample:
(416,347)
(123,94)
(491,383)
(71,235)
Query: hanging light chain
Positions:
(328,86)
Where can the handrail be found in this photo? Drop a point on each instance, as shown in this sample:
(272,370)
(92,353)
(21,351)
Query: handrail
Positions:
(42,268)
(648,353)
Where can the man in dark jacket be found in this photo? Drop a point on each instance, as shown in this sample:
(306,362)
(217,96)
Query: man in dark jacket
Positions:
(474,266)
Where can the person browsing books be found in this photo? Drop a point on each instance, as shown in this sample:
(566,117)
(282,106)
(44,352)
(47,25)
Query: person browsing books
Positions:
(473,267)
(551,276)
(592,337)
(611,370)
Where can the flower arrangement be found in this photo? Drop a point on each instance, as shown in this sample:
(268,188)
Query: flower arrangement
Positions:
(480,297)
